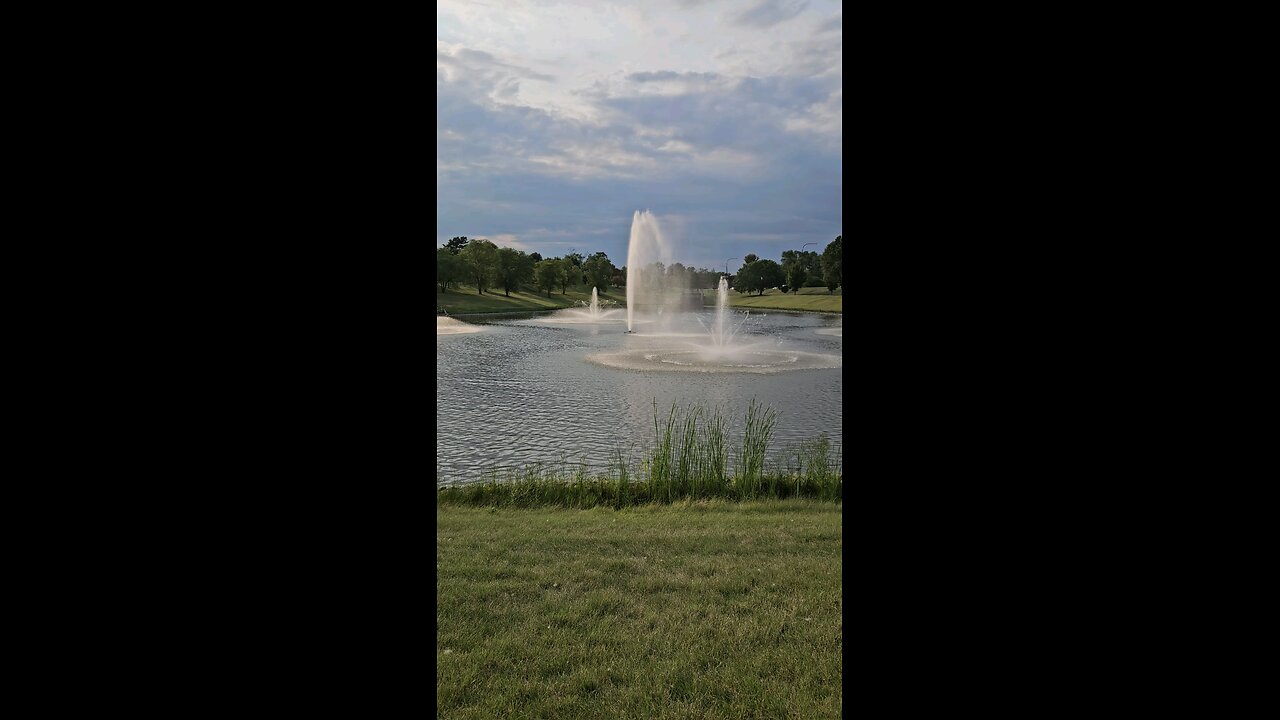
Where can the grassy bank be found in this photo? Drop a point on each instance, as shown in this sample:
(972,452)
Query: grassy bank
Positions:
(465,299)
(692,610)
(812,299)
(692,458)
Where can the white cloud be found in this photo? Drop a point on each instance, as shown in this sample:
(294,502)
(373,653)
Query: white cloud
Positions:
(508,240)
(558,118)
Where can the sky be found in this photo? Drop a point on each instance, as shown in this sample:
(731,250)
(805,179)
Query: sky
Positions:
(556,121)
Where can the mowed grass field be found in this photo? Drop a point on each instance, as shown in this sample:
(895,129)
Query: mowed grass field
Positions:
(810,298)
(465,299)
(695,610)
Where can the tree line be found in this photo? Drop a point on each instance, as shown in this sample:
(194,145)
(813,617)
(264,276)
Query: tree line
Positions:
(483,264)
(798,269)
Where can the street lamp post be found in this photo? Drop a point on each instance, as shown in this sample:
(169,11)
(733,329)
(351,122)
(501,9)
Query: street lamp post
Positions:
(726,264)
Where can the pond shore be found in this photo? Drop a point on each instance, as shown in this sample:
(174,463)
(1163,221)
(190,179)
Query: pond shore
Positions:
(697,609)
(464,300)
(815,300)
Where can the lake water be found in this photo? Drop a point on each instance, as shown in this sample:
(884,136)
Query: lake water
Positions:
(522,391)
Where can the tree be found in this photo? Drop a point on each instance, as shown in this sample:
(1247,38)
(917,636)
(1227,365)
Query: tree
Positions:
(750,258)
(758,276)
(832,263)
(708,279)
(548,274)
(678,276)
(481,257)
(449,268)
(537,257)
(598,270)
(574,258)
(809,260)
(514,267)
(812,262)
(455,245)
(570,274)
(793,270)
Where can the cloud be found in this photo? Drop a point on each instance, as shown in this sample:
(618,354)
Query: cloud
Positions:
(508,240)
(668,75)
(555,122)
(770,13)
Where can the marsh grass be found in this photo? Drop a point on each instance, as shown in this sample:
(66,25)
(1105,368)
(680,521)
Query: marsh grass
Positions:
(689,460)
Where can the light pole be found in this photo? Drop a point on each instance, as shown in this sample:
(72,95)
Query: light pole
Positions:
(802,247)
(726,264)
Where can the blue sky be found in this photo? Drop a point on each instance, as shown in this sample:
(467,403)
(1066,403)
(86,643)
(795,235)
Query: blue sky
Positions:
(556,121)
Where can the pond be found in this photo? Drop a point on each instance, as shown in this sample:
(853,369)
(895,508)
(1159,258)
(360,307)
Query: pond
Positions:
(525,390)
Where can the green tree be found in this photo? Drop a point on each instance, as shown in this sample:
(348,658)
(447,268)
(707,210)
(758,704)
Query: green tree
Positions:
(548,274)
(759,276)
(793,270)
(537,257)
(678,276)
(809,260)
(750,258)
(812,262)
(449,268)
(481,257)
(514,267)
(832,263)
(598,271)
(455,245)
(570,275)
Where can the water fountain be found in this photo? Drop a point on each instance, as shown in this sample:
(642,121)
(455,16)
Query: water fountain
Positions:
(669,347)
(646,245)
(593,313)
(590,315)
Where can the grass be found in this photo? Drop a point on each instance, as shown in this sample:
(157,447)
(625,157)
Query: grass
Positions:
(700,609)
(465,299)
(689,460)
(813,299)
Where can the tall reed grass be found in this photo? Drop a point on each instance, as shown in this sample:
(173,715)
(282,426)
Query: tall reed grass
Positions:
(689,459)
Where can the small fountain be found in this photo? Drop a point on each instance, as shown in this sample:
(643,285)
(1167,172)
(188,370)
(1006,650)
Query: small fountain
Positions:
(721,333)
(589,315)
(593,310)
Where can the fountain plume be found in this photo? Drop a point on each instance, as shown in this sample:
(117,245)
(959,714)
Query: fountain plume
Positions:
(646,245)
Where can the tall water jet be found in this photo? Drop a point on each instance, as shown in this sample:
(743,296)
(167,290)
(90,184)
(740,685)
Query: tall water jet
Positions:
(647,245)
(595,303)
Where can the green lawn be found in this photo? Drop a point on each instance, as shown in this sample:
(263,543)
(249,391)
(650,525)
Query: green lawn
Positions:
(693,610)
(810,298)
(465,299)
